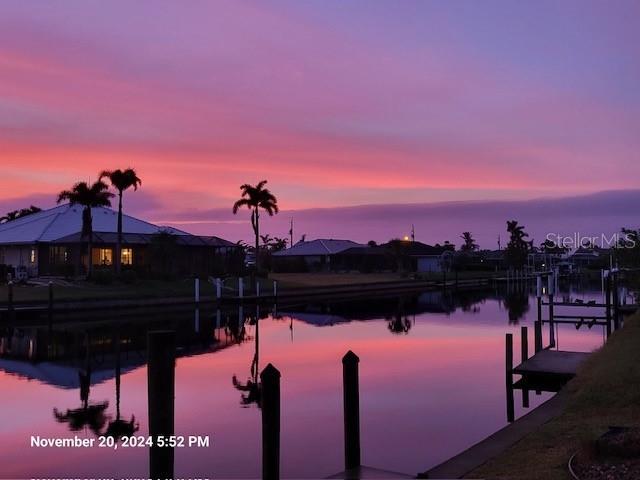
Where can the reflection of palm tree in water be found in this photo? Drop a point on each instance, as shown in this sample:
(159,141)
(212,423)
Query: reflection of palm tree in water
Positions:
(120,428)
(517,304)
(251,389)
(87,415)
(399,323)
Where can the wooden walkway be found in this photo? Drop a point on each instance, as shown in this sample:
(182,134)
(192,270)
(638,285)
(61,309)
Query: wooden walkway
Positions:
(552,362)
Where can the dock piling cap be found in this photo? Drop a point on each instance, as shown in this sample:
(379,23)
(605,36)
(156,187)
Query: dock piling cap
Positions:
(270,372)
(350,357)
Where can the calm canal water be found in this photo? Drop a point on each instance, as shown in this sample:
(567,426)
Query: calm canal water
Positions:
(431,384)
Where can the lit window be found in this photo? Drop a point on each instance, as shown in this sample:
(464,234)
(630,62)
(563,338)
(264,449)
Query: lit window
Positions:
(106,256)
(32,256)
(126,256)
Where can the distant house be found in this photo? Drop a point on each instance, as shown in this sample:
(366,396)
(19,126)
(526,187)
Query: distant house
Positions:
(584,257)
(344,255)
(49,243)
(420,257)
(312,255)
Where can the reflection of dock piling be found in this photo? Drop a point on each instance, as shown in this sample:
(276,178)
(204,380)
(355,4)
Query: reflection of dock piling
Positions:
(161,393)
(509,375)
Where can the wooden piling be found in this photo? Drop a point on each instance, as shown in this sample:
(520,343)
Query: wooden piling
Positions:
(616,302)
(218,288)
(270,379)
(551,287)
(196,288)
(524,355)
(161,348)
(351,397)
(509,376)
(524,343)
(608,302)
(240,287)
(537,330)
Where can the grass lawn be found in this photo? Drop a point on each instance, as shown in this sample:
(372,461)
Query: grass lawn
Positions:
(605,393)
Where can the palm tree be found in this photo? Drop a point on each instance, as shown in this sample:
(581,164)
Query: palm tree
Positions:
(96,195)
(469,244)
(121,180)
(518,247)
(23,212)
(256,198)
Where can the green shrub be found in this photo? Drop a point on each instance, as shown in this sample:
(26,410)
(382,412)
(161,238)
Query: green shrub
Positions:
(129,277)
(102,276)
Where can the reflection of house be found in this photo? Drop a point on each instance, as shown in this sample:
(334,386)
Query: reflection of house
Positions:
(314,255)
(49,242)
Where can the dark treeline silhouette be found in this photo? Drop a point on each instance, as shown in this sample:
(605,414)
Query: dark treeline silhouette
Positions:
(16,214)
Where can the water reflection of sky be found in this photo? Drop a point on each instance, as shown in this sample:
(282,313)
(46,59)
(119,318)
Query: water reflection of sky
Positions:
(425,394)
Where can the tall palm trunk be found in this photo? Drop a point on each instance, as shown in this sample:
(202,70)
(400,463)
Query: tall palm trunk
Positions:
(118,261)
(87,230)
(90,248)
(256,229)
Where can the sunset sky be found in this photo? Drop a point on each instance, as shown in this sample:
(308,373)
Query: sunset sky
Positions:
(335,103)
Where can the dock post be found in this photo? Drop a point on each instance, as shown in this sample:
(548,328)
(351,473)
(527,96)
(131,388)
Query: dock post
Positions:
(240,287)
(524,355)
(197,289)
(270,379)
(616,302)
(509,376)
(608,300)
(161,348)
(257,287)
(50,306)
(551,285)
(351,397)
(537,331)
(218,288)
(524,343)
(275,289)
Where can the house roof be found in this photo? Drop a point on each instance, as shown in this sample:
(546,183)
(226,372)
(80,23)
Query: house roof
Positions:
(419,249)
(146,238)
(320,246)
(64,222)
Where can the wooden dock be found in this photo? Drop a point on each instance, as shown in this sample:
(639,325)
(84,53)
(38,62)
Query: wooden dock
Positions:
(368,472)
(552,363)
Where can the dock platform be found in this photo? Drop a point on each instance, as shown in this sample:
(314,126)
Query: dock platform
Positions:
(552,363)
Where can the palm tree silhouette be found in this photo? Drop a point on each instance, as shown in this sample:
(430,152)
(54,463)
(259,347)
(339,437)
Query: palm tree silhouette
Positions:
(87,415)
(121,180)
(518,247)
(96,195)
(256,198)
(469,244)
(23,212)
